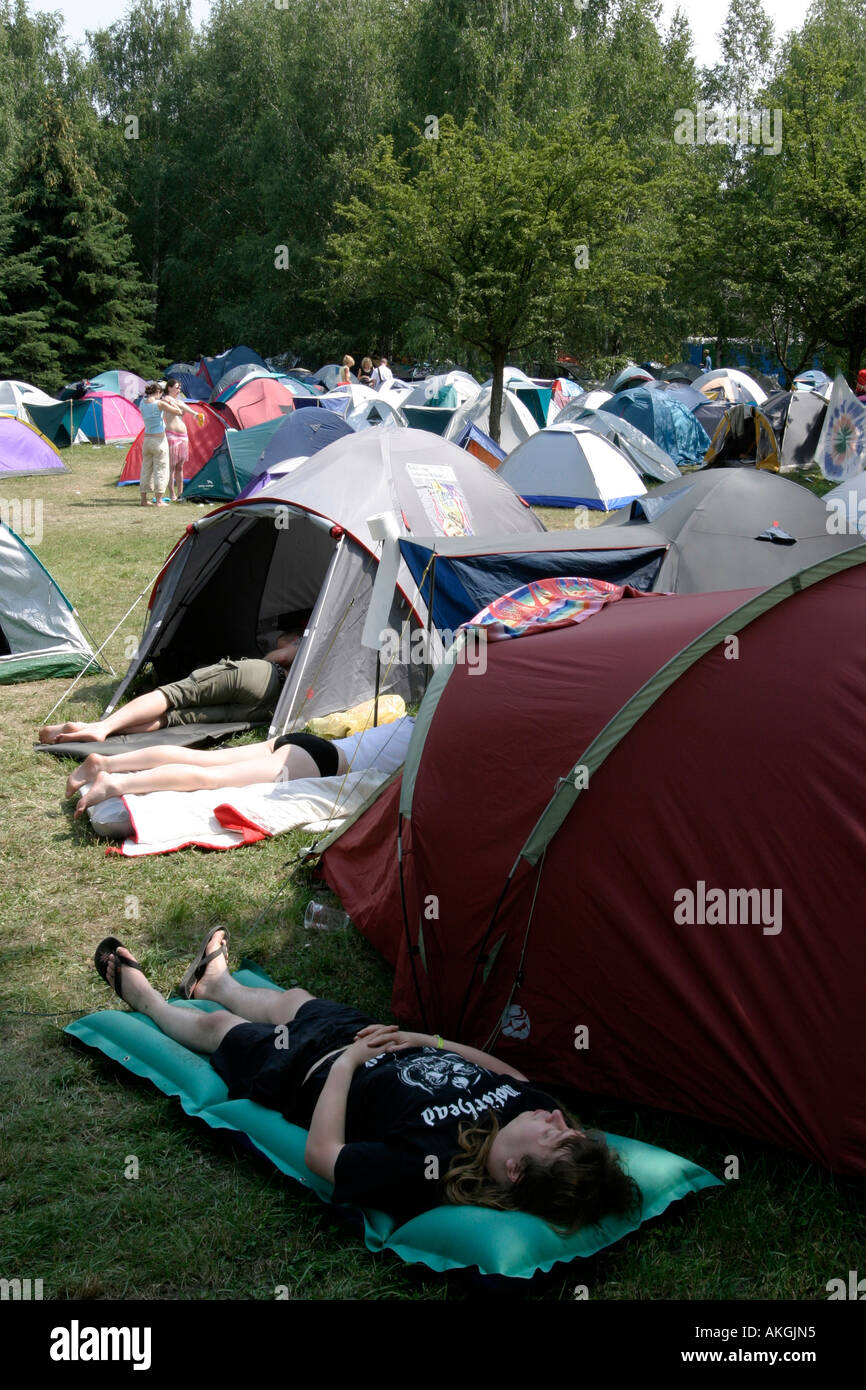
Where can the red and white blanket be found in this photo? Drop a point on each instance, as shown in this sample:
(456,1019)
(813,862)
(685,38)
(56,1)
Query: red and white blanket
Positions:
(234,816)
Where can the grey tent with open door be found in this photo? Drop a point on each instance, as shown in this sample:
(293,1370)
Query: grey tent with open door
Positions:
(303,543)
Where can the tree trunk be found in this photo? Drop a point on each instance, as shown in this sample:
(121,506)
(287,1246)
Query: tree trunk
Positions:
(855,357)
(496,393)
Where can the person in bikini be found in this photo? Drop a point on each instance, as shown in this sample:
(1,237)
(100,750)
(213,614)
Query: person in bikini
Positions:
(168,767)
(177,436)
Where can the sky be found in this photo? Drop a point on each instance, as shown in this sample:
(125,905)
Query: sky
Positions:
(705,17)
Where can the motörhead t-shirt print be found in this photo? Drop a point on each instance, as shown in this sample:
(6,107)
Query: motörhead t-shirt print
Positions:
(403,1116)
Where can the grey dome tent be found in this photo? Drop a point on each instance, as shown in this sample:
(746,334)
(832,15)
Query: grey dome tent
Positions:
(572,466)
(304,543)
(644,453)
(39,634)
(729,529)
(714,531)
(797,418)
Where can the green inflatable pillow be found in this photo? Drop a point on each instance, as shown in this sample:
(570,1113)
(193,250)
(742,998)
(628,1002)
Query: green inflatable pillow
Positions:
(512,1244)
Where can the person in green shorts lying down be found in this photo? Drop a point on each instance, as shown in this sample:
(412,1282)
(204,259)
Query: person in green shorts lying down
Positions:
(227,692)
(398,1121)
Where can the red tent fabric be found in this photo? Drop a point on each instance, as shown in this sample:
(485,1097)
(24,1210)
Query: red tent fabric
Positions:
(746,774)
(254,401)
(203,439)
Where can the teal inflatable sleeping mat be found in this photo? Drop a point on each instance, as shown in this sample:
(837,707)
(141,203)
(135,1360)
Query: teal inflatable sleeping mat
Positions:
(511,1244)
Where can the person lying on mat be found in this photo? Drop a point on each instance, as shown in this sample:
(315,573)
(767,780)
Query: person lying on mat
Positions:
(398,1121)
(167,768)
(229,691)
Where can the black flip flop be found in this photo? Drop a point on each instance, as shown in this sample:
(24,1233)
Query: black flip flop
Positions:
(202,961)
(100,960)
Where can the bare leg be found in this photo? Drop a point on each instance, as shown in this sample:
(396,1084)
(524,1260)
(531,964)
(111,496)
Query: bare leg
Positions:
(262,1005)
(203,1032)
(161,755)
(144,714)
(284,765)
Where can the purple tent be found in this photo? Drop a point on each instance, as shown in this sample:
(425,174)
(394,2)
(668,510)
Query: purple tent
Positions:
(23,449)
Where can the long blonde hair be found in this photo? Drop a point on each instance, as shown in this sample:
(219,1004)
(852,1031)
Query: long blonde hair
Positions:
(584,1182)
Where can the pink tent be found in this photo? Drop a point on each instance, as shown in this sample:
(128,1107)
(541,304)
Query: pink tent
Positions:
(112,418)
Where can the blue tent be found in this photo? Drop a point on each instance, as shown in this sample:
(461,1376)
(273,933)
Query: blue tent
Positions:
(216,367)
(473,439)
(297,436)
(664,420)
(470,572)
(811,381)
(193,386)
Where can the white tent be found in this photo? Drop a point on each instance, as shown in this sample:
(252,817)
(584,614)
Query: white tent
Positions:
(465,387)
(516,424)
(15,396)
(354,394)
(39,636)
(571,466)
(512,376)
(375,412)
(722,384)
(846,507)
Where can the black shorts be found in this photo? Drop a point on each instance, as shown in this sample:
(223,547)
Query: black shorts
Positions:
(269,1064)
(324,754)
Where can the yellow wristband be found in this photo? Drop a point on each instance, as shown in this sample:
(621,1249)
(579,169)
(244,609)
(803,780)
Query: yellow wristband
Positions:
(440,1041)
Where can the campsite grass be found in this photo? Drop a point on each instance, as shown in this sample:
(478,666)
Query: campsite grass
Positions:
(204,1220)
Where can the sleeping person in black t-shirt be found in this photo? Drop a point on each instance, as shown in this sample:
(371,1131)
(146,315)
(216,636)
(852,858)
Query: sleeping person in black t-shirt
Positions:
(398,1121)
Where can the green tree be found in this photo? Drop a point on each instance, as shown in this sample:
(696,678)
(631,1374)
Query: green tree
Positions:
(138,70)
(501,242)
(280,107)
(71,294)
(806,264)
(747,41)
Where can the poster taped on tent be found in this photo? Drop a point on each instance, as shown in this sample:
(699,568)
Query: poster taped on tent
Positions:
(444,504)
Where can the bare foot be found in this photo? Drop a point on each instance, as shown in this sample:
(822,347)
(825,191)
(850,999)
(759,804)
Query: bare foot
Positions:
(73,733)
(51,733)
(134,983)
(86,771)
(208,987)
(100,789)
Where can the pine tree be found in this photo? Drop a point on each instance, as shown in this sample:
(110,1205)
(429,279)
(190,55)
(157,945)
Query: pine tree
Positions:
(71,295)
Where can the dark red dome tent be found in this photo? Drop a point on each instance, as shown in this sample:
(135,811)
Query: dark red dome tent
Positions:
(535,907)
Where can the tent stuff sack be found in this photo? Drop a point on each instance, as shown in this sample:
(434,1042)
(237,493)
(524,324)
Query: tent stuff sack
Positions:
(359,718)
(512,1244)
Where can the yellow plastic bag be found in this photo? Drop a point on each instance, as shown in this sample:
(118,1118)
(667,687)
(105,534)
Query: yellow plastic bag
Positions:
(358,718)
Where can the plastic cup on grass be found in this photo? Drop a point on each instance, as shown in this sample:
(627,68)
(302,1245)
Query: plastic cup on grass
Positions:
(319,917)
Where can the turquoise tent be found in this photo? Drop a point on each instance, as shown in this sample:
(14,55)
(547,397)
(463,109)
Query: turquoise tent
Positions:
(232,465)
(434,418)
